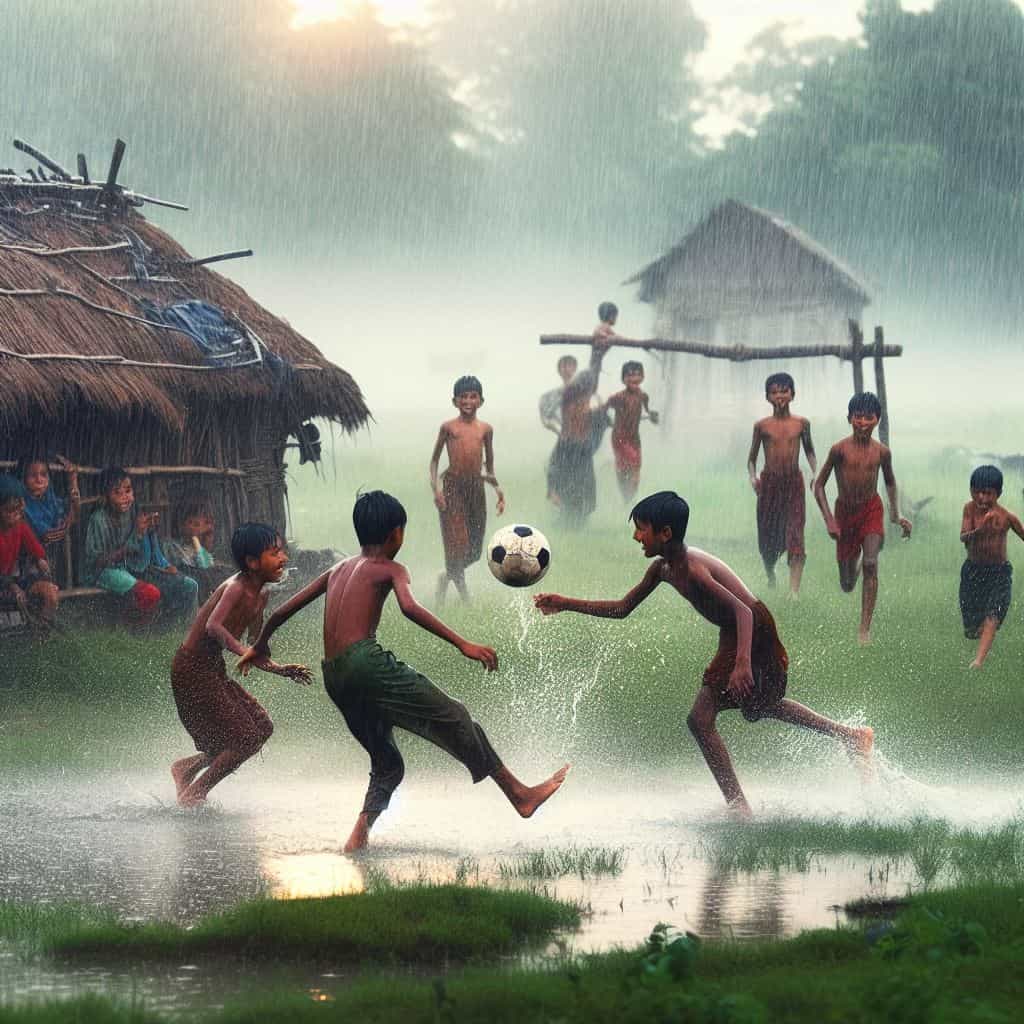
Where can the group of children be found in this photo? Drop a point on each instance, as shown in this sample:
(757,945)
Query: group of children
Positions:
(123,551)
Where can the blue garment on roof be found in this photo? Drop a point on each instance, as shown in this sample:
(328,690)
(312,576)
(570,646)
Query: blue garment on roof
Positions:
(207,325)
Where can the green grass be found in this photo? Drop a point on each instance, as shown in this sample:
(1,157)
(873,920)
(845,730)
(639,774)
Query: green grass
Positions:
(410,924)
(557,862)
(949,957)
(931,846)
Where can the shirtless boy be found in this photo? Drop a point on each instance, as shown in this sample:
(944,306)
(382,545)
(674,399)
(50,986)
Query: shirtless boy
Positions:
(460,497)
(630,405)
(228,724)
(374,691)
(986,576)
(857,525)
(748,671)
(781,508)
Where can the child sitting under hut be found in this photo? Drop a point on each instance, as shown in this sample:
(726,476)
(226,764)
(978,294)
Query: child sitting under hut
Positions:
(49,515)
(190,548)
(123,553)
(26,587)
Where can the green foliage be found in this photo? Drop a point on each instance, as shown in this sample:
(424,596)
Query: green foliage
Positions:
(669,954)
(586,862)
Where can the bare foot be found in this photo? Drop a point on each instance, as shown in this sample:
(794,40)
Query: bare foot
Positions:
(360,836)
(187,798)
(184,772)
(976,664)
(860,748)
(739,809)
(533,796)
(864,637)
(794,595)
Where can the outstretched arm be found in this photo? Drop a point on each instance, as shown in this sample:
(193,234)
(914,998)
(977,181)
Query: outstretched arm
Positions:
(550,604)
(890,488)
(652,414)
(435,459)
(812,458)
(415,612)
(489,476)
(755,447)
(307,595)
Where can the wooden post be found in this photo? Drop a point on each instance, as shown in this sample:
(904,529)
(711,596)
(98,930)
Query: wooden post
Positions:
(883,426)
(857,344)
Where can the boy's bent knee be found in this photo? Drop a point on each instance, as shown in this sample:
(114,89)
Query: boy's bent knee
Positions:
(870,568)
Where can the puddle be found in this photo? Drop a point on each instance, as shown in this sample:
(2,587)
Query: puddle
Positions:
(136,853)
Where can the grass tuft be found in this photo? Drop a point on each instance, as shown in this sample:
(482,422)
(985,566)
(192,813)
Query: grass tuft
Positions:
(583,861)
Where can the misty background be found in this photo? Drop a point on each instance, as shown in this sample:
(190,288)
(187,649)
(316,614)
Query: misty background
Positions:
(428,192)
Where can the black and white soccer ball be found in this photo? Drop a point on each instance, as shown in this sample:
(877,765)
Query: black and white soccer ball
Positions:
(518,555)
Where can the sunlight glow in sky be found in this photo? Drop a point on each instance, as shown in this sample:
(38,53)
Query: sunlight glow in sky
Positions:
(390,12)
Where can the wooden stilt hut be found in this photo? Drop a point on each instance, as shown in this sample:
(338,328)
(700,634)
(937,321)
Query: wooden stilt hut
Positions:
(116,346)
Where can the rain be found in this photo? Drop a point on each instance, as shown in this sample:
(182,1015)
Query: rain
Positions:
(412,192)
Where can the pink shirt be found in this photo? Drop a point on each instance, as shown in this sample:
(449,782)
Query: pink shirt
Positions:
(12,542)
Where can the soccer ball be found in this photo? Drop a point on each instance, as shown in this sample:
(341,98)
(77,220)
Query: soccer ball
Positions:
(518,555)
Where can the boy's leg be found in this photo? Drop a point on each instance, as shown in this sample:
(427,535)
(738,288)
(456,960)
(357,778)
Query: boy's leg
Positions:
(869,587)
(857,740)
(796,572)
(987,636)
(849,571)
(702,723)
(458,579)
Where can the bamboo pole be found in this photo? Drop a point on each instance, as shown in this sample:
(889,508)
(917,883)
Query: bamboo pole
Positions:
(878,349)
(857,347)
(734,353)
(147,470)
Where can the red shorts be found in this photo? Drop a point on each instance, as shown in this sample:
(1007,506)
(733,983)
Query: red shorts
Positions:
(627,455)
(856,523)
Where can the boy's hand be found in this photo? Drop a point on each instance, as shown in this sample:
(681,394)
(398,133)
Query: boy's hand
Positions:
(52,536)
(741,681)
(252,656)
(833,527)
(549,604)
(169,570)
(439,500)
(485,655)
(297,673)
(500,508)
(906,526)
(755,483)
(653,416)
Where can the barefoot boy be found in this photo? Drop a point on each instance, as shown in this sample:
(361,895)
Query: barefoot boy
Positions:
(986,575)
(857,525)
(749,670)
(228,724)
(460,498)
(630,405)
(375,692)
(781,508)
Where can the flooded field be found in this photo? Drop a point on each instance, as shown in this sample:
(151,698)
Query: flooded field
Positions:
(633,851)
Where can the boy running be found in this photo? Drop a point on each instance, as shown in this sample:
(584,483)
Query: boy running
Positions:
(630,405)
(374,691)
(460,497)
(781,508)
(986,576)
(858,525)
(227,724)
(749,670)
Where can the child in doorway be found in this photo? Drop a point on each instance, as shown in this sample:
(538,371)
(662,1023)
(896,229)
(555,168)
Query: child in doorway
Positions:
(986,576)
(123,553)
(629,405)
(459,496)
(189,549)
(27,587)
(372,689)
(749,671)
(781,507)
(49,516)
(858,526)
(227,723)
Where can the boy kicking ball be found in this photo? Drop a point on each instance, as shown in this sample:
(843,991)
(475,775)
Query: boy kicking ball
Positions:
(748,672)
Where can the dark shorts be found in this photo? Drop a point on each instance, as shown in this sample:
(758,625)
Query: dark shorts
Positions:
(768,660)
(463,520)
(218,713)
(571,477)
(781,514)
(985,592)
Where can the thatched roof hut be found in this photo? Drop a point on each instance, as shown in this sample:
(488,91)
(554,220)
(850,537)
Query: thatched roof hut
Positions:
(92,366)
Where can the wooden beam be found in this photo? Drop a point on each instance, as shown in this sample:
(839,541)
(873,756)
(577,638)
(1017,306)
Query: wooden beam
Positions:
(857,357)
(734,353)
(878,350)
(146,470)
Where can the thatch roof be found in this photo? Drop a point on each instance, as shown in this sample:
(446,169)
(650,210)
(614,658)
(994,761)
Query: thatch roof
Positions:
(68,306)
(721,224)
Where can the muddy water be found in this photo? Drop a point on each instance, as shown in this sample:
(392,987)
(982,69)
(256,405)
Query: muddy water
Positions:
(130,849)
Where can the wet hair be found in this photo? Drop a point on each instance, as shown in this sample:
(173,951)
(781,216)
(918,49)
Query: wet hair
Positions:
(11,488)
(250,540)
(189,505)
(606,311)
(23,463)
(663,509)
(111,477)
(865,401)
(563,360)
(375,514)
(631,366)
(987,478)
(782,380)
(464,384)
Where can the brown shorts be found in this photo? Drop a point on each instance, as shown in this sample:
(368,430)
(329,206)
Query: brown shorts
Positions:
(768,660)
(218,714)
(463,520)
